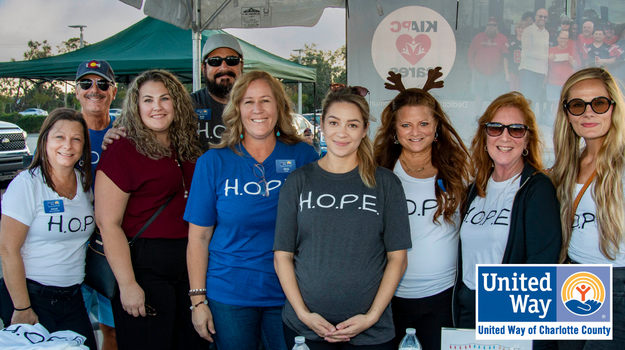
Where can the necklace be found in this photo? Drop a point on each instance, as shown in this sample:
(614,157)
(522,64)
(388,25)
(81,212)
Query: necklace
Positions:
(403,161)
(186,193)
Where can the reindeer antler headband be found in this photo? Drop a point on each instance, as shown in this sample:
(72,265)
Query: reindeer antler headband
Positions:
(431,83)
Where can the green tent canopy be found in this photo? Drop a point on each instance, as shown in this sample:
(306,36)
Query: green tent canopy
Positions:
(150,44)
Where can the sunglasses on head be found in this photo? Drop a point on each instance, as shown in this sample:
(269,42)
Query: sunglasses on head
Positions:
(358,90)
(599,105)
(515,130)
(86,84)
(216,61)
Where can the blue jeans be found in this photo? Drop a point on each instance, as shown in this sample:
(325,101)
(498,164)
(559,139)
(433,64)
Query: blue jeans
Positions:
(240,327)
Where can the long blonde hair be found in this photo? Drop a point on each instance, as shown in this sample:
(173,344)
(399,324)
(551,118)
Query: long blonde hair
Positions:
(608,189)
(481,160)
(182,131)
(231,137)
(366,162)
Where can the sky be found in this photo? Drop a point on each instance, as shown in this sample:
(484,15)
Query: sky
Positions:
(39,20)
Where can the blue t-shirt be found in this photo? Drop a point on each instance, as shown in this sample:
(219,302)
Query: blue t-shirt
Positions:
(227,192)
(96,137)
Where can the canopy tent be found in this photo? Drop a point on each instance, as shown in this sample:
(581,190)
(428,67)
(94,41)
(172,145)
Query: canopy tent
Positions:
(148,44)
(199,15)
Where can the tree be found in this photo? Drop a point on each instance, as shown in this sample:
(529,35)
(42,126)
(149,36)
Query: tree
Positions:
(70,45)
(330,67)
(37,50)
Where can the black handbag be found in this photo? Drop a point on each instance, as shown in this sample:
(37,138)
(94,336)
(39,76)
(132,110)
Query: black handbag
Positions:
(98,273)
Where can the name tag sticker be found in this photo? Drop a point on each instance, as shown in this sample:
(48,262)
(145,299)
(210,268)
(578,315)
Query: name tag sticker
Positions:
(53,206)
(203,114)
(285,166)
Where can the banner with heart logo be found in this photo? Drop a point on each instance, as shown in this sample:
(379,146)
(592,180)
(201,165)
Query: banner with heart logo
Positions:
(411,40)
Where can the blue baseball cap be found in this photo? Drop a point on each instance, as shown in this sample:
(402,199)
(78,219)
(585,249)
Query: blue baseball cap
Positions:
(97,67)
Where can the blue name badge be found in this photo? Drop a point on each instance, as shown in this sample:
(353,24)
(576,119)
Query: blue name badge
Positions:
(203,114)
(285,166)
(53,206)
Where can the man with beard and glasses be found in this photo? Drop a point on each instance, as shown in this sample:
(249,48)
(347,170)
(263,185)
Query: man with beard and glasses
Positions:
(534,58)
(485,57)
(95,90)
(222,64)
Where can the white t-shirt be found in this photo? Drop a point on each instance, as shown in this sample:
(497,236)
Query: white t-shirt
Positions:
(584,246)
(485,227)
(54,249)
(432,258)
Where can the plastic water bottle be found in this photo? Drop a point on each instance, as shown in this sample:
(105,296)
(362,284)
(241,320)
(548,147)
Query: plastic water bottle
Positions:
(300,344)
(410,341)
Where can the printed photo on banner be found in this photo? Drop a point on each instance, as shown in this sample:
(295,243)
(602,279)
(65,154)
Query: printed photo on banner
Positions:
(544,302)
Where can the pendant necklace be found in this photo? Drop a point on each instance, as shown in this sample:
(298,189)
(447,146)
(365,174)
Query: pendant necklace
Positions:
(403,161)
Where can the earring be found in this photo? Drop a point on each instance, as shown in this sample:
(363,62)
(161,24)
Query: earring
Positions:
(81,162)
(525,152)
(396,140)
(241,136)
(486,148)
(435,137)
(278,133)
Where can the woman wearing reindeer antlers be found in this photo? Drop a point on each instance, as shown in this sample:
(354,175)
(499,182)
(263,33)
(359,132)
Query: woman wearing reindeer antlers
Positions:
(416,141)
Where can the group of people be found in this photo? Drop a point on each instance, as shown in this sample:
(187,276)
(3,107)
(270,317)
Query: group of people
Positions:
(537,60)
(257,240)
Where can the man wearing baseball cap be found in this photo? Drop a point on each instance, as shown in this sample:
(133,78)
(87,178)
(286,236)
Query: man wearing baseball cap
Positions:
(222,64)
(95,89)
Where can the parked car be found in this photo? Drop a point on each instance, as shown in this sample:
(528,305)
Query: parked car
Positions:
(310,116)
(300,123)
(115,112)
(34,111)
(14,153)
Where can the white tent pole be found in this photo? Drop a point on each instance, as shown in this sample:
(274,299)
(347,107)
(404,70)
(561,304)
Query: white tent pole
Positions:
(197,49)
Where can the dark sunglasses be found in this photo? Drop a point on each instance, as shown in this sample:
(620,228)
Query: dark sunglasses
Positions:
(515,130)
(358,90)
(149,311)
(599,105)
(216,61)
(86,84)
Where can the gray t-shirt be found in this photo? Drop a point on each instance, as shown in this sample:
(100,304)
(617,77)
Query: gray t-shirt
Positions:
(340,231)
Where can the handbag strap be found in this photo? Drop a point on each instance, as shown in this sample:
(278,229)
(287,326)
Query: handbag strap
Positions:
(136,237)
(581,193)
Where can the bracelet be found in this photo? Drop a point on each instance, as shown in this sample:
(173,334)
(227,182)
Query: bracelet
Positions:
(205,302)
(201,291)
(24,309)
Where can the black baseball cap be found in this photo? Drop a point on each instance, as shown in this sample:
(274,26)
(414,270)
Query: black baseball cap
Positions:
(97,67)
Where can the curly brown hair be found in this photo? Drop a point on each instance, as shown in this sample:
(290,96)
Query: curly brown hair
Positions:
(183,129)
(449,154)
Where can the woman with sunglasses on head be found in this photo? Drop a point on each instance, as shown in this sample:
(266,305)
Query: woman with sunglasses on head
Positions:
(416,141)
(141,188)
(589,181)
(47,218)
(341,237)
(236,294)
(511,215)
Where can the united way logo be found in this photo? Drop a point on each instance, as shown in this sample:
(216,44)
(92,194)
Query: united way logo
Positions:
(583,293)
(544,302)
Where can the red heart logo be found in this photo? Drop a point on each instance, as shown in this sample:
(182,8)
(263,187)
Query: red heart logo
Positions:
(413,49)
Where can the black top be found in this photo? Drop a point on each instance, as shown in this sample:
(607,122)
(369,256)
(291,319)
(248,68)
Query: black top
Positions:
(210,124)
(535,235)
